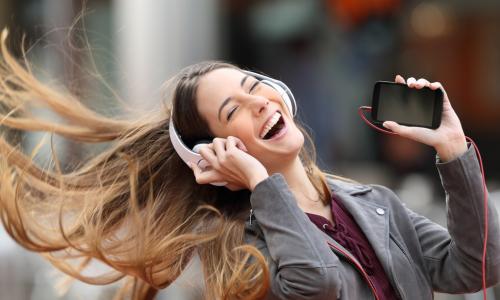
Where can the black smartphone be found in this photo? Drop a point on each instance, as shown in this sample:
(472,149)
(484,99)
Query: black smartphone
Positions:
(406,106)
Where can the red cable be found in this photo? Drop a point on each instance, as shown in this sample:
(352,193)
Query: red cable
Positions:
(362,115)
(485,197)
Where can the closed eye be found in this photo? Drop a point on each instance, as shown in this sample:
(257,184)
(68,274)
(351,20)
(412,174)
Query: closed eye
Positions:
(231,112)
(253,86)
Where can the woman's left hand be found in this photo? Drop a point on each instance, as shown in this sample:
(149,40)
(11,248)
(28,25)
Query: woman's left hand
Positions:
(448,140)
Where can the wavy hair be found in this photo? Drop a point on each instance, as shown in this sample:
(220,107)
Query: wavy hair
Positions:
(135,206)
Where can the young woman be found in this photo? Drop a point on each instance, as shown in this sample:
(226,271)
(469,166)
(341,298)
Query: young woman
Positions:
(279,228)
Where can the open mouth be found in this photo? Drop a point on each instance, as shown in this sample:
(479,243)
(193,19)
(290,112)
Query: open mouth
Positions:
(273,126)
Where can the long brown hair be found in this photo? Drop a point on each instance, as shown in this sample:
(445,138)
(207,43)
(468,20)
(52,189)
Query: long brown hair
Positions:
(136,206)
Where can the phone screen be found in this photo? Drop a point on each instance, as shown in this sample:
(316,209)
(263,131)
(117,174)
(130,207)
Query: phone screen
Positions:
(407,106)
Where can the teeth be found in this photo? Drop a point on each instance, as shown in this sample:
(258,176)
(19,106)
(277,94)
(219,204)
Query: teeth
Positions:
(274,119)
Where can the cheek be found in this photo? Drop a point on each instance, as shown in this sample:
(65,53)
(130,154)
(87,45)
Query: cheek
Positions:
(242,129)
(245,134)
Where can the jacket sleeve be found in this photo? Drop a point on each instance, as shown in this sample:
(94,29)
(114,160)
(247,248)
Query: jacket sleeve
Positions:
(453,257)
(301,264)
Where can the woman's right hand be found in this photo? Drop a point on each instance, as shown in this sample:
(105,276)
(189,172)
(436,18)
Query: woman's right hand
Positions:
(229,162)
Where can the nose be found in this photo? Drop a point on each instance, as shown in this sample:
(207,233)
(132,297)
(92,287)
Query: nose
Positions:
(258,104)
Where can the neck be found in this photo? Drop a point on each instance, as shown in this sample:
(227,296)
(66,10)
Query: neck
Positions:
(301,186)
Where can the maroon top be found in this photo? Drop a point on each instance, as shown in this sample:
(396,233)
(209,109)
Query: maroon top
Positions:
(348,234)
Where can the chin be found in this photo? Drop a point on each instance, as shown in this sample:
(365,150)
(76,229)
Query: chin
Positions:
(296,143)
(287,152)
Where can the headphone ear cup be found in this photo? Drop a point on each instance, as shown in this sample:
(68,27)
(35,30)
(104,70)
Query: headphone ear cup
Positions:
(203,164)
(197,147)
(283,93)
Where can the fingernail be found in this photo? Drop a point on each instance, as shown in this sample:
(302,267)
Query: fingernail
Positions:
(386,125)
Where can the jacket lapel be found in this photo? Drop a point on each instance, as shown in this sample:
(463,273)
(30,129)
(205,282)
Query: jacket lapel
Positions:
(373,219)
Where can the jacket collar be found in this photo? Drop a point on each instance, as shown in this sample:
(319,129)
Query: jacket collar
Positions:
(371,217)
(351,188)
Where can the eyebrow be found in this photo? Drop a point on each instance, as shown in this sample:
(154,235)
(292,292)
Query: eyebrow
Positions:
(225,102)
(243,80)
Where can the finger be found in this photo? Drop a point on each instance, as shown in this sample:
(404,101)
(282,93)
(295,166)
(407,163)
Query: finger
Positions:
(205,177)
(196,170)
(209,155)
(230,143)
(399,79)
(231,153)
(435,85)
(411,82)
(438,85)
(219,147)
(231,149)
(236,142)
(421,83)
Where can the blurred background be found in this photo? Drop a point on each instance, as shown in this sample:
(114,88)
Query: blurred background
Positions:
(329,52)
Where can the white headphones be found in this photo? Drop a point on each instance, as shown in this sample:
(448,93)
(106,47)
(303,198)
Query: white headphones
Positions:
(191,155)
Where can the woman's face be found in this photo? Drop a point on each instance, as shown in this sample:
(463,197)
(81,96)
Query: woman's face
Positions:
(237,104)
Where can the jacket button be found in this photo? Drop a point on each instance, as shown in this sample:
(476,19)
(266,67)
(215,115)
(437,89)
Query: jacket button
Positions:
(380,211)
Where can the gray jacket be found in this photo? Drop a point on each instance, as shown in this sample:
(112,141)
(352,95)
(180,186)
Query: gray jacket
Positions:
(419,256)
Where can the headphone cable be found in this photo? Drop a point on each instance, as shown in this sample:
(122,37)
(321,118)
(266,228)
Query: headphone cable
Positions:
(485,196)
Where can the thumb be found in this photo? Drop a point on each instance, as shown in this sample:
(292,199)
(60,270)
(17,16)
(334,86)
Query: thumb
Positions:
(418,134)
(390,125)
(396,128)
